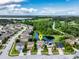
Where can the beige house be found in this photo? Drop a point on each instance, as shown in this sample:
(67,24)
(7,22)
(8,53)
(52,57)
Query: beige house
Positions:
(70,41)
(77,40)
(25,36)
(30,45)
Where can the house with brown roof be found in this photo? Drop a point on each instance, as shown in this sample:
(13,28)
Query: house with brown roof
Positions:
(30,45)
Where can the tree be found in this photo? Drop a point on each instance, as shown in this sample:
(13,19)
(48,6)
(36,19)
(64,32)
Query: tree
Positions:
(17,41)
(25,47)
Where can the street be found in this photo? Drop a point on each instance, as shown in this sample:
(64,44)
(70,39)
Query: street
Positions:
(9,45)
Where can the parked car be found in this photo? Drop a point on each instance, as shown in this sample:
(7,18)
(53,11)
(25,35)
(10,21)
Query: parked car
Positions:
(0,52)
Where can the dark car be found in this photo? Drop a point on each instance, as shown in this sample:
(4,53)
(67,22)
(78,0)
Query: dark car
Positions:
(0,52)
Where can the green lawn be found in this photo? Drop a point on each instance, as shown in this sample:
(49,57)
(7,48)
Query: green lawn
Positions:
(68,49)
(1,47)
(58,38)
(34,49)
(45,51)
(34,52)
(13,51)
(55,51)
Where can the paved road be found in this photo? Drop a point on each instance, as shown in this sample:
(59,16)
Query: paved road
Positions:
(12,40)
(49,57)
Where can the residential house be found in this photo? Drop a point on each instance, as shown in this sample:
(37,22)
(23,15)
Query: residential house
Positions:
(40,43)
(48,40)
(19,46)
(30,45)
(25,36)
(77,40)
(70,41)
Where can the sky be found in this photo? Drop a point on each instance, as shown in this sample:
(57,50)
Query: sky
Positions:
(39,7)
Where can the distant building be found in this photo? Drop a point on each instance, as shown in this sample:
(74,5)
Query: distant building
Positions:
(17,17)
(1,27)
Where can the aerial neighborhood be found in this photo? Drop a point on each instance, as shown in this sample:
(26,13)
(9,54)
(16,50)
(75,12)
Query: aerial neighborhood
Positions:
(39,37)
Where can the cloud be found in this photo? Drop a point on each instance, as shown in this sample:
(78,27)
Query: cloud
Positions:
(10,7)
(9,1)
(59,11)
(18,11)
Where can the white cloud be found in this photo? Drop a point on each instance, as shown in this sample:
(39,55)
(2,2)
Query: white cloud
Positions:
(11,7)
(59,11)
(8,1)
(17,0)
(18,11)
(28,9)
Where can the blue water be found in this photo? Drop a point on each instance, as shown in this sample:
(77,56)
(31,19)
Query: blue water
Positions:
(36,36)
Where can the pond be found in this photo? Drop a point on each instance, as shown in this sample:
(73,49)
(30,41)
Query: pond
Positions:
(36,36)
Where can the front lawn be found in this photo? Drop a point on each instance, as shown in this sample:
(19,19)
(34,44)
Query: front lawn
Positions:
(1,47)
(13,51)
(34,52)
(55,51)
(58,38)
(68,49)
(45,50)
(34,49)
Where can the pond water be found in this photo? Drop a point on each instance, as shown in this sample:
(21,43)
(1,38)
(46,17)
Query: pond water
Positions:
(36,36)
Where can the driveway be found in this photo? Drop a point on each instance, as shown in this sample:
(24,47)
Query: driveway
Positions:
(29,52)
(50,51)
(60,51)
(39,51)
